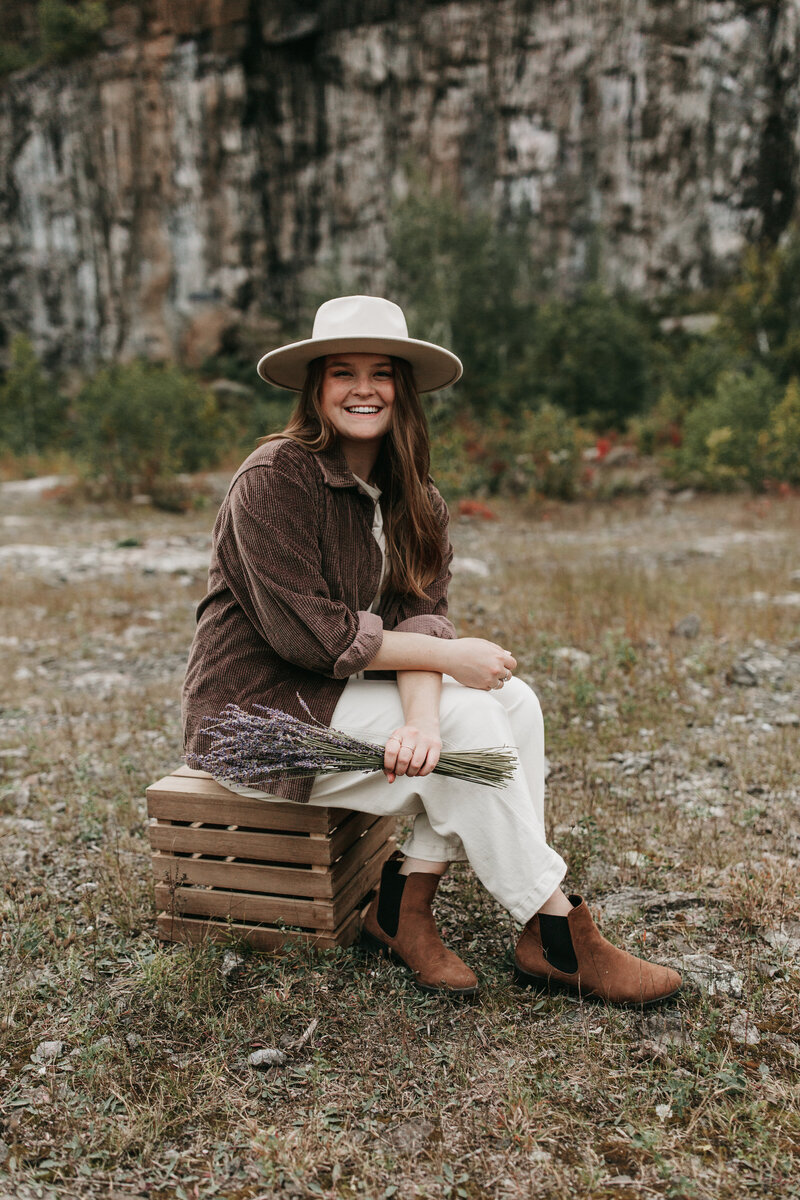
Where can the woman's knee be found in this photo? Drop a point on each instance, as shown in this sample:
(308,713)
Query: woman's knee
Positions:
(522,705)
(472,718)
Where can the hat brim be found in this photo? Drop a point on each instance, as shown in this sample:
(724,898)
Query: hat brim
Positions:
(433,366)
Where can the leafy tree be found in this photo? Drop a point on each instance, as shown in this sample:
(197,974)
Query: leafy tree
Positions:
(138,424)
(592,357)
(780,441)
(466,284)
(69,30)
(761,309)
(32,411)
(723,435)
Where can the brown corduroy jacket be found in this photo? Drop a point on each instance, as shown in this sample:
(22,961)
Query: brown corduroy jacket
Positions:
(294,570)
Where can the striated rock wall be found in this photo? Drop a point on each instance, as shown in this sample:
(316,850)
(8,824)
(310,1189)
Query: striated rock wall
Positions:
(215,158)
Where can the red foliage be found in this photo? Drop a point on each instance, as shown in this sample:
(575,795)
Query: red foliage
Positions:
(476,508)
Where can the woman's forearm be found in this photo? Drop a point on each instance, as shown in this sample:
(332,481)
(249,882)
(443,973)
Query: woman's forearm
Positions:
(420,694)
(474,662)
(412,652)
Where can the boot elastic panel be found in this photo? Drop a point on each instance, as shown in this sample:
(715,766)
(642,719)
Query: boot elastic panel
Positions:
(390,896)
(557,946)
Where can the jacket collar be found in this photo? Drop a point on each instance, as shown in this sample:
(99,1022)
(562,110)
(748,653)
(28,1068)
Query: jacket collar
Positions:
(335,470)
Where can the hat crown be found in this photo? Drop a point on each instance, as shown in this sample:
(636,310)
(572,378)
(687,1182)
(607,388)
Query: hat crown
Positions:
(359,316)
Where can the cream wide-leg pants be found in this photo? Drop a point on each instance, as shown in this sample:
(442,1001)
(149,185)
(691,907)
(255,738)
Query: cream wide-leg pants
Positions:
(499,831)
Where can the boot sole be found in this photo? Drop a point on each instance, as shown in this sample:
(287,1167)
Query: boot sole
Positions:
(540,983)
(373,945)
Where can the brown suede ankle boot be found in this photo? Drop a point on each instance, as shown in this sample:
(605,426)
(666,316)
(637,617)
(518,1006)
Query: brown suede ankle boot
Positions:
(399,922)
(602,969)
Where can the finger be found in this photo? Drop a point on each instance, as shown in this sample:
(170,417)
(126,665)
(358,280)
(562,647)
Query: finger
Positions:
(417,759)
(392,749)
(510,662)
(431,760)
(404,756)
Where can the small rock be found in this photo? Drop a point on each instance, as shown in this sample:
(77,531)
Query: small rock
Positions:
(574,657)
(766,970)
(470,566)
(663,1112)
(635,858)
(688,626)
(753,669)
(646,900)
(538,1155)
(711,975)
(410,1136)
(787,719)
(48,1052)
(268,1057)
(231,963)
(743,1030)
(787,940)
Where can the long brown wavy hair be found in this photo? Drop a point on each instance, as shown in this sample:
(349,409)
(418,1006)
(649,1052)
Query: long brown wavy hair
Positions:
(412,529)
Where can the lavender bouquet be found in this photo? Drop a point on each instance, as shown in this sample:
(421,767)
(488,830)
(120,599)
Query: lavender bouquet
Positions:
(249,749)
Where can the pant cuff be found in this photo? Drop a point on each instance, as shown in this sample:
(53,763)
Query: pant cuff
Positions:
(545,886)
(438,851)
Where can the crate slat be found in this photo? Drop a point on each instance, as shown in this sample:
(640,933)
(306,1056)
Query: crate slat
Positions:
(185,799)
(261,937)
(273,878)
(247,906)
(270,847)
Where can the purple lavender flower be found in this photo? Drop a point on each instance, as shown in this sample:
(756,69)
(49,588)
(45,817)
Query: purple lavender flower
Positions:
(250,748)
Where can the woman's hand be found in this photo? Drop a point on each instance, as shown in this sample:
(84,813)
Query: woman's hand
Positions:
(413,749)
(478,664)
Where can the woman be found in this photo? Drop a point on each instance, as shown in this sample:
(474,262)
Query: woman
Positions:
(329,569)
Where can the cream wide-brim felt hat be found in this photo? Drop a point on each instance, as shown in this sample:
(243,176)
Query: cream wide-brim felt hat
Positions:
(359,325)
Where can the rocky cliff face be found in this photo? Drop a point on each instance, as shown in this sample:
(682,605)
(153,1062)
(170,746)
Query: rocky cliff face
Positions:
(200,170)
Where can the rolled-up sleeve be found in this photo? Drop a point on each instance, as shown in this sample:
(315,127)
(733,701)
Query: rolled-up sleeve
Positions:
(428,613)
(271,560)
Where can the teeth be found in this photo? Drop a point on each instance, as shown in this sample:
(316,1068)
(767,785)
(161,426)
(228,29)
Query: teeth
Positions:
(364,409)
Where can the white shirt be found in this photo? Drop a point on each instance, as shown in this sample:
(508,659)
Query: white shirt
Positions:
(377,532)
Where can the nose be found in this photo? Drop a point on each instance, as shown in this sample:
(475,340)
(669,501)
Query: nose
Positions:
(363,386)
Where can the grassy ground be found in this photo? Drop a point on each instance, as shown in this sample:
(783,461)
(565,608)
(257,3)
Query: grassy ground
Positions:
(674,795)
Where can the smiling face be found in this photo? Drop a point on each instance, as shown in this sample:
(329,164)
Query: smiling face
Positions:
(357,398)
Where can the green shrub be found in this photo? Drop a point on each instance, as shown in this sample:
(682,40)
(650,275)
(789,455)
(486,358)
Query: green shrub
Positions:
(546,454)
(32,412)
(539,453)
(660,429)
(70,30)
(722,443)
(761,308)
(14,57)
(137,424)
(780,441)
(467,458)
(591,356)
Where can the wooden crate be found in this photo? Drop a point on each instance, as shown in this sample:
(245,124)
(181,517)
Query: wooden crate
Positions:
(234,868)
